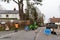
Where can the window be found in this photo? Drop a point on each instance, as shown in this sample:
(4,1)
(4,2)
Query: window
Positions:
(7,15)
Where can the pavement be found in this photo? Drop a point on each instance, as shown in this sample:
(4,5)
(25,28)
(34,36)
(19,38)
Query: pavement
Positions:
(28,35)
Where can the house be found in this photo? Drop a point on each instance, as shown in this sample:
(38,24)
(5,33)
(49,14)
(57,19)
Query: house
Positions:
(9,14)
(55,20)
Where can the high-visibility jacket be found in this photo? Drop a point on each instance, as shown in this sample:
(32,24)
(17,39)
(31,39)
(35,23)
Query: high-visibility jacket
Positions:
(16,25)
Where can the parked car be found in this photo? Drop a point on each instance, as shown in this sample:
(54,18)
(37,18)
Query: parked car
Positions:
(51,25)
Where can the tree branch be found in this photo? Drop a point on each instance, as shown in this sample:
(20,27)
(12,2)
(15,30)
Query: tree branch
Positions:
(15,1)
(20,1)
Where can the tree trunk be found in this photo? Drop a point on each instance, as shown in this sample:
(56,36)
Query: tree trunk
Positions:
(20,6)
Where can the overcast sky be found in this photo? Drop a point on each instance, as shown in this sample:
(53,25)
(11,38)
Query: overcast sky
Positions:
(49,8)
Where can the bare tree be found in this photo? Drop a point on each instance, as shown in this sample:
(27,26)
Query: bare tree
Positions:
(20,6)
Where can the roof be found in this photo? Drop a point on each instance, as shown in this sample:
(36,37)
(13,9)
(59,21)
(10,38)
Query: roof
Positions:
(8,12)
(54,20)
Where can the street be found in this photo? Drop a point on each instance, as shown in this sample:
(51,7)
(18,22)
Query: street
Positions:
(42,36)
(20,35)
(27,35)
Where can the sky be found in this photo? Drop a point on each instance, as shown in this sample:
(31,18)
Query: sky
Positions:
(49,8)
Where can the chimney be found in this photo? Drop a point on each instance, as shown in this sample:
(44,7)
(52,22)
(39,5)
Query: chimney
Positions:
(53,17)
